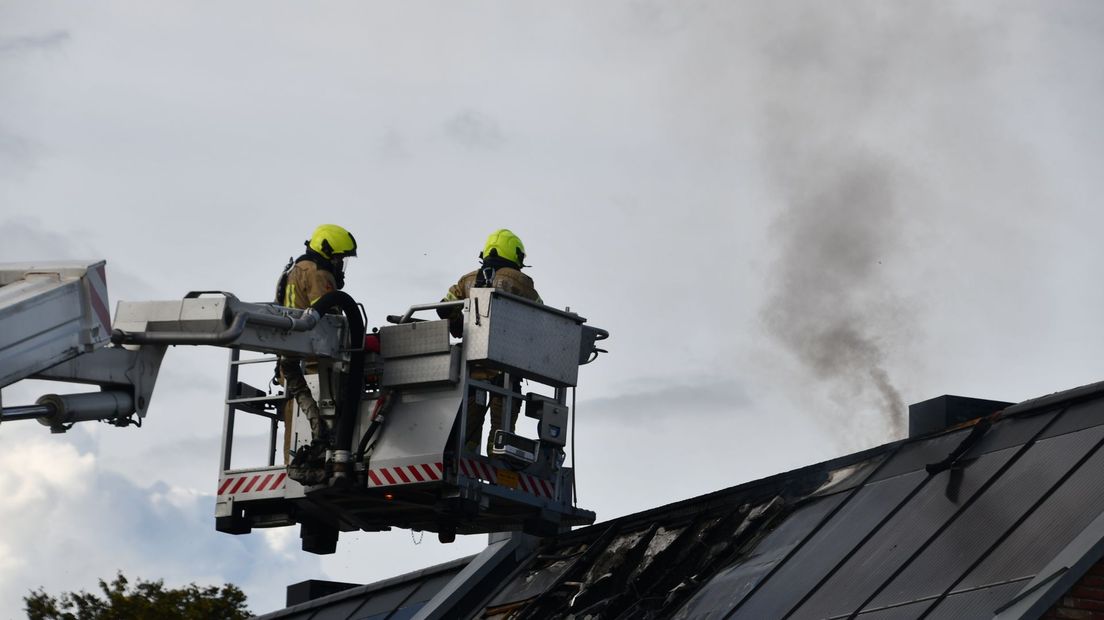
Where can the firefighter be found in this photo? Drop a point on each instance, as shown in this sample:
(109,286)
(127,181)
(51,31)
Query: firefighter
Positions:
(502,257)
(318,271)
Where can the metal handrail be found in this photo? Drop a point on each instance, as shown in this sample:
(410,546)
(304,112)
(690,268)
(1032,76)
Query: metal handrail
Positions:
(420,307)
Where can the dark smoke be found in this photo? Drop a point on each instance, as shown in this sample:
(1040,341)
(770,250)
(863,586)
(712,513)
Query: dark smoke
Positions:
(831,304)
(833,83)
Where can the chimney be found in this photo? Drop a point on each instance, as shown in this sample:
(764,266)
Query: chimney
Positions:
(314,588)
(946,411)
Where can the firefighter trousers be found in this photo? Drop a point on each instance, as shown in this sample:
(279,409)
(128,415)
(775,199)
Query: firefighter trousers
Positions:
(295,386)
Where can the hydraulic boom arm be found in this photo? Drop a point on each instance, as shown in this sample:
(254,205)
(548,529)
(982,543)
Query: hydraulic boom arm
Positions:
(56,327)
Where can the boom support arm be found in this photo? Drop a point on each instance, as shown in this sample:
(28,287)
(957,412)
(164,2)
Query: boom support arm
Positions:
(127,372)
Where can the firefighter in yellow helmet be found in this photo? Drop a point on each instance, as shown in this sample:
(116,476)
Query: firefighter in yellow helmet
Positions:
(502,257)
(305,280)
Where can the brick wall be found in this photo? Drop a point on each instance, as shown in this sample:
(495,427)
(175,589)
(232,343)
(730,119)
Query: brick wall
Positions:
(1085,601)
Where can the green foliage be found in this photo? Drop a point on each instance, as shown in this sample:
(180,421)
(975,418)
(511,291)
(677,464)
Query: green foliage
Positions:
(145,600)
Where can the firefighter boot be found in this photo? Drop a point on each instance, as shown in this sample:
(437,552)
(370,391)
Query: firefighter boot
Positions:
(308,465)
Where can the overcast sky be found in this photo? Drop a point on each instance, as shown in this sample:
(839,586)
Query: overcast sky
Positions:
(794,218)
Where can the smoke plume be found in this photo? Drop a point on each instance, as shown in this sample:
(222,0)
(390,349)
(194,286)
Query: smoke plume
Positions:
(831,304)
(831,89)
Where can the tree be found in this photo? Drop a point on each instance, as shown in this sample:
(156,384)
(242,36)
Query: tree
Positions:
(146,600)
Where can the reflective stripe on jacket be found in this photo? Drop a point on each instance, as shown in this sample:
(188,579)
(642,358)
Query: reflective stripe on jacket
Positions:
(306,284)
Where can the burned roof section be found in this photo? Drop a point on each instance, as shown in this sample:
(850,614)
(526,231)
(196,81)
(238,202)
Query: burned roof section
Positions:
(997,517)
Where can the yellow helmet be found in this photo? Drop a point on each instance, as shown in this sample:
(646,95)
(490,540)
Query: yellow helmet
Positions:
(330,240)
(504,244)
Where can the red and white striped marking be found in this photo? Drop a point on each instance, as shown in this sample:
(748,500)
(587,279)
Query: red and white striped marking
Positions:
(474,468)
(405,474)
(247,484)
(97,296)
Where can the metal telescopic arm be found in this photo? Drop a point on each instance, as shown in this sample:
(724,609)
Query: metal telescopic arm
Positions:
(127,375)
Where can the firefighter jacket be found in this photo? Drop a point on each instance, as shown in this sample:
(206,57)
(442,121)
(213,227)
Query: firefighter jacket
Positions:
(506,279)
(306,283)
(501,277)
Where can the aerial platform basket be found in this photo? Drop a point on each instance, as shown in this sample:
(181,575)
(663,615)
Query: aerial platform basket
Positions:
(413,466)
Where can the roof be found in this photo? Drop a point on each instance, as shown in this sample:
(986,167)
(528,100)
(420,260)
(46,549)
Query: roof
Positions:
(899,531)
(397,598)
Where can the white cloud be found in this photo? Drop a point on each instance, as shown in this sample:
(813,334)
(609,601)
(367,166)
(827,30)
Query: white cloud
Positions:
(169,500)
(10,562)
(63,510)
(34,471)
(282,541)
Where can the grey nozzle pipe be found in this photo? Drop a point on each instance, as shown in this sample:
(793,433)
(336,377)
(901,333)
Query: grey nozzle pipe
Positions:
(303,323)
(70,408)
(226,336)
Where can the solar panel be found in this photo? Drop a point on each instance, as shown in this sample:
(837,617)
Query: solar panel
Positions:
(730,585)
(1047,530)
(890,546)
(1080,416)
(827,547)
(992,513)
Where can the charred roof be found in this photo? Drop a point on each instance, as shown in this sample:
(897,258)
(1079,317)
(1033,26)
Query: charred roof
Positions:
(996,517)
